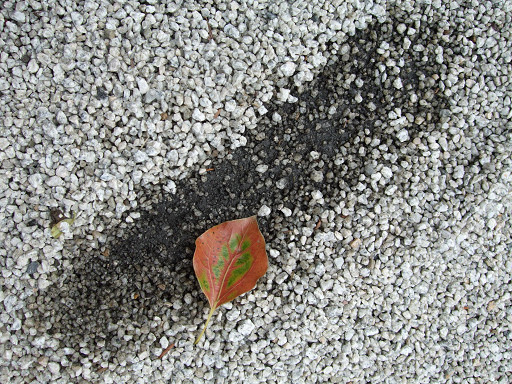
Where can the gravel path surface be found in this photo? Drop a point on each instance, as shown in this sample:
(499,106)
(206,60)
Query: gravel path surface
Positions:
(373,139)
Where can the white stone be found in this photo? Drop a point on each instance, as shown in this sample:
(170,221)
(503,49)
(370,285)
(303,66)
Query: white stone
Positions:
(54,368)
(317,176)
(378,11)
(235,337)
(22,260)
(281,277)
(335,25)
(246,327)
(317,195)
(152,95)
(233,315)
(143,85)
(386,172)
(32,66)
(140,157)
(282,183)
(4,143)
(54,181)
(317,60)
(18,16)
(283,94)
(114,65)
(288,68)
(458,172)
(61,118)
(320,270)
(230,106)
(264,211)
(4,84)
(407,350)
(338,262)
(16,325)
(262,110)
(231,31)
(349,334)
(286,211)
(43,283)
(198,115)
(403,135)
(153,148)
(292,99)
(58,73)
(164,342)
(391,190)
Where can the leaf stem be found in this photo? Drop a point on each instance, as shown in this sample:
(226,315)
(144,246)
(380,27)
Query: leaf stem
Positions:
(206,325)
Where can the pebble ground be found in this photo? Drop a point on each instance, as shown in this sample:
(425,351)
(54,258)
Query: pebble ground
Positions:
(371,138)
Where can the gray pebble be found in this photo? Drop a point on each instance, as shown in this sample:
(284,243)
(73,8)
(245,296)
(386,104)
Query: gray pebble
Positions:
(32,267)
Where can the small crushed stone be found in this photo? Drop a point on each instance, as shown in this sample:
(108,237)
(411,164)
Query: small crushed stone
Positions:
(373,140)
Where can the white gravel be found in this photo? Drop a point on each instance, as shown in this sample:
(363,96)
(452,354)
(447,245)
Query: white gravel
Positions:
(408,278)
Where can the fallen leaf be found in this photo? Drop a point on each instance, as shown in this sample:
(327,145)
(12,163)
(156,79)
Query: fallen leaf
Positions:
(228,261)
(56,216)
(55,227)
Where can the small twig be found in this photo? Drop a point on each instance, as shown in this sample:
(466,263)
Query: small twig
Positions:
(210,33)
(165,351)
(217,114)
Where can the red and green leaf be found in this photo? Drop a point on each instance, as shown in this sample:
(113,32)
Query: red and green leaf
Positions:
(228,261)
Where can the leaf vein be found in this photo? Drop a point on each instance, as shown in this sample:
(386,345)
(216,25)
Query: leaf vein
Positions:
(244,232)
